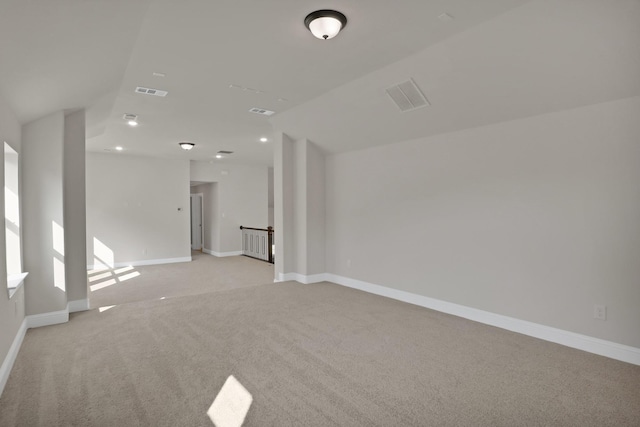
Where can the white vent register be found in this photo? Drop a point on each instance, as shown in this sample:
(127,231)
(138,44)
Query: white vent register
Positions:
(261,111)
(149,91)
(407,96)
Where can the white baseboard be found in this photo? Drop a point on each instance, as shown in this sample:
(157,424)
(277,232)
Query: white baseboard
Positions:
(7,364)
(46,319)
(586,343)
(221,254)
(142,262)
(313,278)
(78,305)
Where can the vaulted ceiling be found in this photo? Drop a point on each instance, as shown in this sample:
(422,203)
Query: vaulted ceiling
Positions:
(496,60)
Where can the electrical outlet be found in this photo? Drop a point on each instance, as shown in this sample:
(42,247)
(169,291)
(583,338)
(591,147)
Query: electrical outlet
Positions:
(600,312)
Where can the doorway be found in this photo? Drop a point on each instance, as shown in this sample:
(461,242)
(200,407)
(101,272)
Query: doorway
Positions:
(197,232)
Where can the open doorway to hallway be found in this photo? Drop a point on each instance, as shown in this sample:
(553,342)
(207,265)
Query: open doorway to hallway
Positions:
(197,216)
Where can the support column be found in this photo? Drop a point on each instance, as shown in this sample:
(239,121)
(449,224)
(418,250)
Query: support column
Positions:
(75,211)
(299,195)
(283,176)
(43,232)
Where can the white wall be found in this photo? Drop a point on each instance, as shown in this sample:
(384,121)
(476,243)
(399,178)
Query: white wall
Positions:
(270,214)
(11,310)
(242,199)
(284,214)
(43,230)
(300,216)
(138,208)
(535,219)
(75,213)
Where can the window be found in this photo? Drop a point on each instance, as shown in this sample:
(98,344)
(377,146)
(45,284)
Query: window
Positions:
(15,276)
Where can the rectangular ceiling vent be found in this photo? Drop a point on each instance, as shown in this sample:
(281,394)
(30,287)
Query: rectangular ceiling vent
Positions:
(407,96)
(262,111)
(149,91)
(225,152)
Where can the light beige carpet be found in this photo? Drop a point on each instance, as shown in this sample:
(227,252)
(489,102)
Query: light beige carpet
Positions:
(206,273)
(310,355)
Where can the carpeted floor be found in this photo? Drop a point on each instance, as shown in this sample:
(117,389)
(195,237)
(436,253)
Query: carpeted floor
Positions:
(204,274)
(310,355)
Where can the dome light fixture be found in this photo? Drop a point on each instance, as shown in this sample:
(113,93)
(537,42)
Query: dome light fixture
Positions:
(186,145)
(132,119)
(325,24)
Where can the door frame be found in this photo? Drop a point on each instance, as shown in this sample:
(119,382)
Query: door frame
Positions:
(201,197)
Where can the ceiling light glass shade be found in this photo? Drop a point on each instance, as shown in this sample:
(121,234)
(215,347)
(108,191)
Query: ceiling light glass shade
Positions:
(187,145)
(325,24)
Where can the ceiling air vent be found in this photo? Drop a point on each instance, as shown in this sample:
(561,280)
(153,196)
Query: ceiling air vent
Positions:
(262,111)
(149,91)
(225,152)
(407,96)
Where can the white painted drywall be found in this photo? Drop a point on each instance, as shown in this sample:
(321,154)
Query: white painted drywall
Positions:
(75,217)
(137,207)
(308,208)
(11,310)
(242,199)
(270,217)
(535,219)
(315,209)
(42,202)
(283,197)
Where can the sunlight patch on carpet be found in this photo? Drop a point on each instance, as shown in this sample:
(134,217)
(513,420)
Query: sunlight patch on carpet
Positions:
(231,405)
(101,285)
(123,269)
(100,276)
(128,276)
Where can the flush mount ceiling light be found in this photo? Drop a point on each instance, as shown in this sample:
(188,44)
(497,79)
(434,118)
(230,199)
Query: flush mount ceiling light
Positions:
(325,24)
(186,145)
(132,119)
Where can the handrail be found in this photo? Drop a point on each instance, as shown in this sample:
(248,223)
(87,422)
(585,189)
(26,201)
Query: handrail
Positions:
(269,229)
(258,243)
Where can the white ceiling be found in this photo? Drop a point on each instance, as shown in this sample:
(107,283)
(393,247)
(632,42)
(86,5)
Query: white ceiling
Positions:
(497,60)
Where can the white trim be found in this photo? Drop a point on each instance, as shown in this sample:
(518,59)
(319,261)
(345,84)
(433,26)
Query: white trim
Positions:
(201,195)
(7,364)
(15,280)
(313,278)
(598,346)
(141,262)
(78,305)
(221,254)
(46,319)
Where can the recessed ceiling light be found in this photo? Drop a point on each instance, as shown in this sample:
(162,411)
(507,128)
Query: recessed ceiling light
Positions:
(263,139)
(186,145)
(219,156)
(132,123)
(119,148)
